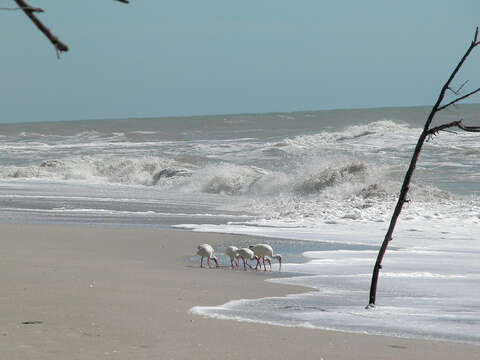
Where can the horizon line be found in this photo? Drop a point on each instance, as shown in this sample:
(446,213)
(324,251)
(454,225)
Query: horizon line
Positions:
(226,114)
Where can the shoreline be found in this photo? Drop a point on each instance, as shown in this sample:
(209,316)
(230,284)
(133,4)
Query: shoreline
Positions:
(91,292)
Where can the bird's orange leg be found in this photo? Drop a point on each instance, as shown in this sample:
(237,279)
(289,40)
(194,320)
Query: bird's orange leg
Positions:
(269,263)
(258,264)
(264,267)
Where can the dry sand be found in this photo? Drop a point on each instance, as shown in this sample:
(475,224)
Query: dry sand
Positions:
(78,292)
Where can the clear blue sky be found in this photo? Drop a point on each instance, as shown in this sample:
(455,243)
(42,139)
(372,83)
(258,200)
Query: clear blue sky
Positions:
(188,57)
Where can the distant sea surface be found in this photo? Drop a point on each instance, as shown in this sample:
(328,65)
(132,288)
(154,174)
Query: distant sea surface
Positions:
(329,177)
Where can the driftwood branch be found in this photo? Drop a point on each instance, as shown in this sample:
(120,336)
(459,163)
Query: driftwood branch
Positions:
(427,132)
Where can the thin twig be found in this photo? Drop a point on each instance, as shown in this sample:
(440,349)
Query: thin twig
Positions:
(437,106)
(34,9)
(461,86)
(469,128)
(458,99)
(456,92)
(475,42)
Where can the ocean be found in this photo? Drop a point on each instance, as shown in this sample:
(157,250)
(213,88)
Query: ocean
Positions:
(319,185)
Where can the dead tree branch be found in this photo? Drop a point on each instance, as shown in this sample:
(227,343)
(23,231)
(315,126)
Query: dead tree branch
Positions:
(59,46)
(427,131)
(458,99)
(457,123)
(29,11)
(437,129)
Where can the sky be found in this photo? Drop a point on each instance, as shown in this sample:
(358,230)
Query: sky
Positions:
(155,58)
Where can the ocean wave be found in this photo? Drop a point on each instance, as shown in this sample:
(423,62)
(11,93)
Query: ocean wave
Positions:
(311,189)
(225,178)
(103,169)
(331,176)
(397,133)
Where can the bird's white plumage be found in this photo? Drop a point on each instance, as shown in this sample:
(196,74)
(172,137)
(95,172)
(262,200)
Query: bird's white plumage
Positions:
(265,252)
(262,250)
(206,251)
(232,253)
(246,254)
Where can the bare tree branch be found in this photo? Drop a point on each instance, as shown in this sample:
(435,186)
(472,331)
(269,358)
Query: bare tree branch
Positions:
(458,99)
(437,129)
(458,123)
(469,128)
(59,46)
(426,133)
(29,11)
(473,44)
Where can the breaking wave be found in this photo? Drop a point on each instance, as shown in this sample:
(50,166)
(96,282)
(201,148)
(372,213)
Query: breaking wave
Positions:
(98,169)
(367,133)
(316,188)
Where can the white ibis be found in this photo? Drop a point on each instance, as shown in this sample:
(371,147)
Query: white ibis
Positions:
(232,252)
(265,252)
(206,250)
(246,254)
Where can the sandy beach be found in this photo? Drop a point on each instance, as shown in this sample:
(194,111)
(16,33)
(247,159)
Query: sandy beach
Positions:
(78,292)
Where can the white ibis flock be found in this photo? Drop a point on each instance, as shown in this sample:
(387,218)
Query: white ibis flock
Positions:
(263,252)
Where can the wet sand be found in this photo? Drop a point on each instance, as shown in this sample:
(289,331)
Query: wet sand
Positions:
(79,292)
